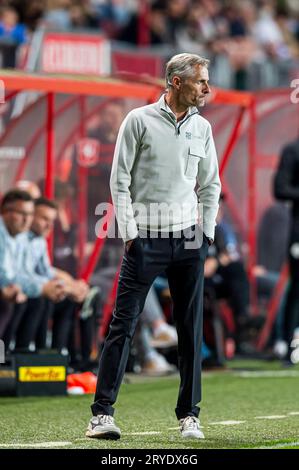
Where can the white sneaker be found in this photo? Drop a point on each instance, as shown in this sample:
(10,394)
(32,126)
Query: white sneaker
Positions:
(156,365)
(103,427)
(189,427)
(164,336)
(295,355)
(280,349)
(295,340)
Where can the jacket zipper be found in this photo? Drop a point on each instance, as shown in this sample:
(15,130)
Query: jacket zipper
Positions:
(177,126)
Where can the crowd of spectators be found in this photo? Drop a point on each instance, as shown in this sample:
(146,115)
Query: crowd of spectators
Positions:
(234,34)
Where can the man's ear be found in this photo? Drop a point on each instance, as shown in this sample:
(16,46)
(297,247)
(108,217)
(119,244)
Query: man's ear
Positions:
(176,82)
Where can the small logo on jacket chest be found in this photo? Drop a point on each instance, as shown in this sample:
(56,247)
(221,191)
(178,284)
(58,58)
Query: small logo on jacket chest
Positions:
(188,135)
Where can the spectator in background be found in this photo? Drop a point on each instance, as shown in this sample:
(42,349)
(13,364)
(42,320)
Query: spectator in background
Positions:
(65,229)
(12,302)
(226,275)
(176,14)
(37,264)
(118,11)
(38,259)
(82,16)
(157,24)
(16,215)
(17,210)
(79,294)
(10,28)
(113,15)
(286,187)
(31,12)
(152,362)
(272,248)
(58,15)
(267,31)
(154,332)
(98,170)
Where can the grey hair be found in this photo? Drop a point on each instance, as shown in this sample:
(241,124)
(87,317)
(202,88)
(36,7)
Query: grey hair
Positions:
(183,65)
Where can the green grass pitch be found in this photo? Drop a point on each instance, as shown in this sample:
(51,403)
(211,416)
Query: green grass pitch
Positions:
(250,405)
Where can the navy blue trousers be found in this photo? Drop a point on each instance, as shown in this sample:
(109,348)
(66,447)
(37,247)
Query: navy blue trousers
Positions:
(146,258)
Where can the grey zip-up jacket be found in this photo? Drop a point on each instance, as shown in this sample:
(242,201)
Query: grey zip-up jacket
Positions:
(156,165)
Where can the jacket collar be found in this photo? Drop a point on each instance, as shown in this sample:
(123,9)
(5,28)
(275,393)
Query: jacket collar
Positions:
(164,106)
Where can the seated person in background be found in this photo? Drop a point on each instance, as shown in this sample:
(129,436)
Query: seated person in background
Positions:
(273,236)
(154,332)
(151,361)
(225,273)
(38,259)
(11,299)
(18,290)
(66,258)
(285,188)
(38,264)
(272,247)
(65,234)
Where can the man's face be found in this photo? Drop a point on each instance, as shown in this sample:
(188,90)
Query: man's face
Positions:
(43,220)
(18,216)
(192,91)
(9,18)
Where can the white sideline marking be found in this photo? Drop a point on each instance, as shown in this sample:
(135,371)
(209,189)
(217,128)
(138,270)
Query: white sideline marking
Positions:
(293,413)
(228,423)
(279,446)
(271,417)
(267,374)
(37,444)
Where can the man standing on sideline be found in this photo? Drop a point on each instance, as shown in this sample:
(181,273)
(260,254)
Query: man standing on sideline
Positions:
(162,151)
(286,187)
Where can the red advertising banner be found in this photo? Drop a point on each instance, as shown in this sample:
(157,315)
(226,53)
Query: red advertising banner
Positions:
(74,53)
(132,62)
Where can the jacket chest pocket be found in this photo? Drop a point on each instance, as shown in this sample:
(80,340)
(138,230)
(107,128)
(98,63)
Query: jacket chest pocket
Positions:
(196,152)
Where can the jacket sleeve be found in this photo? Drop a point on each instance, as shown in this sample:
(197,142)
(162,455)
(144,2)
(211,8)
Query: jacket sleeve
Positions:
(44,269)
(209,185)
(6,277)
(284,188)
(31,287)
(10,275)
(126,150)
(23,276)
